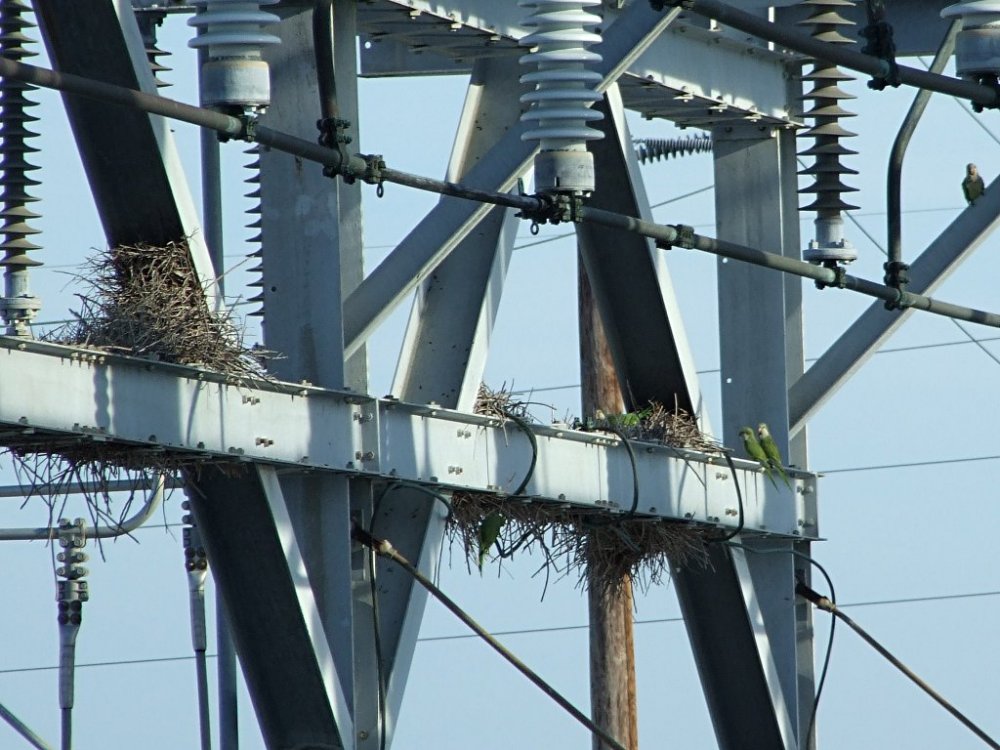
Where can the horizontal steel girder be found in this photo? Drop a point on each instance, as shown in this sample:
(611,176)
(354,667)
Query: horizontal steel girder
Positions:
(691,74)
(189,412)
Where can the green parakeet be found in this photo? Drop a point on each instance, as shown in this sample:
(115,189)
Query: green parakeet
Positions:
(772,452)
(973,185)
(756,452)
(489,532)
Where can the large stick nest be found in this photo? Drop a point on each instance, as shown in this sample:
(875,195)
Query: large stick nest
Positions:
(147,301)
(603,548)
(142,301)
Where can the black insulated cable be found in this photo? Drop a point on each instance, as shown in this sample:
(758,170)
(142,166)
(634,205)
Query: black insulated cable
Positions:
(825,604)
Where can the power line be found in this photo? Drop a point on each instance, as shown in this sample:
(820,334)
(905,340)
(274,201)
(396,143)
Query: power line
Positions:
(935,462)
(889,350)
(523,631)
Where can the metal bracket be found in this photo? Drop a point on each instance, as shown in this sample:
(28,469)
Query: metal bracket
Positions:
(685,237)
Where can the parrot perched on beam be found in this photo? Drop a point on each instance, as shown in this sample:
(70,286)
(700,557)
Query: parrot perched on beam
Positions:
(756,452)
(973,185)
(489,532)
(770,449)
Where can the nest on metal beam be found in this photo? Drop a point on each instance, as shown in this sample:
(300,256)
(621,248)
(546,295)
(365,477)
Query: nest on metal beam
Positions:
(142,301)
(147,301)
(601,547)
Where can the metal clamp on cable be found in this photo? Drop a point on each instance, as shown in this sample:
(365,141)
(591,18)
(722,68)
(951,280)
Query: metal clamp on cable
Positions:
(685,237)
(333,134)
(990,80)
(374,166)
(249,128)
(552,209)
(839,276)
(814,596)
(659,5)
(897,274)
(901,301)
(880,44)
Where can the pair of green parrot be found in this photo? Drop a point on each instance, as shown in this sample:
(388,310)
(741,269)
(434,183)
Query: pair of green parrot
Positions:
(762,449)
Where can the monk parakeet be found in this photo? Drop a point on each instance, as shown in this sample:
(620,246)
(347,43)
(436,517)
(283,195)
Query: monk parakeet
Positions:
(771,451)
(489,532)
(756,452)
(973,185)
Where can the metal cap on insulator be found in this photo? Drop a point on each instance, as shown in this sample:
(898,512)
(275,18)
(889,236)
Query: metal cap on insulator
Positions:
(560,104)
(977,48)
(234,77)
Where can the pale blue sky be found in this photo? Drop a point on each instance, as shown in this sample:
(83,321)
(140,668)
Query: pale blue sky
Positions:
(892,534)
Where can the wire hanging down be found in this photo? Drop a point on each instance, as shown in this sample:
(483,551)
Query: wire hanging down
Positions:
(826,605)
(385,549)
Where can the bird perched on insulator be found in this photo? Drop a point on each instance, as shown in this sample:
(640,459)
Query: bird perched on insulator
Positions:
(973,185)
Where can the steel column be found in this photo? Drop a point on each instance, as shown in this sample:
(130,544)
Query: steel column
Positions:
(443,357)
(755,204)
(447,338)
(259,570)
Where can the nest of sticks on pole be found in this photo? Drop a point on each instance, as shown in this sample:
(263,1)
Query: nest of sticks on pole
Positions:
(601,547)
(147,301)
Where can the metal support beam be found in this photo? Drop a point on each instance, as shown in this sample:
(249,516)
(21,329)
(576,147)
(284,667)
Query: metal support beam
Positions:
(306,219)
(755,695)
(133,168)
(876,324)
(187,412)
(443,356)
(439,233)
(447,338)
(631,282)
(279,635)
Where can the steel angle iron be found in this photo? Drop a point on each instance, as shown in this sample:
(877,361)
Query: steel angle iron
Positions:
(559,107)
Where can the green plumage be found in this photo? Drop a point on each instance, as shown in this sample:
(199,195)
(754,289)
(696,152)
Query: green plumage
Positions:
(755,451)
(772,453)
(973,185)
(489,532)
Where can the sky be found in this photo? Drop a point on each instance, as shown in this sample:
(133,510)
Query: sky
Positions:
(924,530)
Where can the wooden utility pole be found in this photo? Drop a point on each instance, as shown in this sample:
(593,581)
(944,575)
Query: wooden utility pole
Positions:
(612,648)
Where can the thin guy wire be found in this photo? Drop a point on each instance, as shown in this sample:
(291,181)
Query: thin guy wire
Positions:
(523,631)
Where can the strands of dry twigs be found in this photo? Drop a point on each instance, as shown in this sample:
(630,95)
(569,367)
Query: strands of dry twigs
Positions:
(568,537)
(147,301)
(141,301)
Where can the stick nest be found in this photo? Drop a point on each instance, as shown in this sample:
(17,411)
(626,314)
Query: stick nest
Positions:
(602,548)
(147,301)
(143,301)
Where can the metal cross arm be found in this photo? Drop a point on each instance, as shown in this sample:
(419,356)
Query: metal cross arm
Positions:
(194,414)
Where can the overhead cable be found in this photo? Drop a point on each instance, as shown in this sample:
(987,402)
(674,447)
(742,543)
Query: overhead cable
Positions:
(384,549)
(827,605)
